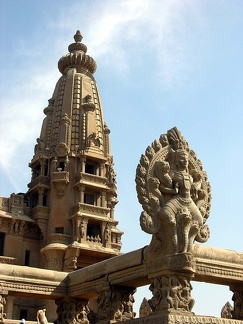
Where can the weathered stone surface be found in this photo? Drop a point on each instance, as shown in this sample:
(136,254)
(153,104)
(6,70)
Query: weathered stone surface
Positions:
(178,319)
(175,195)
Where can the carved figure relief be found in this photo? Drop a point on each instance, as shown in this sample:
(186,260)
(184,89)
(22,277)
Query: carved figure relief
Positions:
(40,146)
(171,293)
(116,304)
(2,303)
(107,233)
(93,140)
(110,174)
(71,258)
(72,311)
(62,150)
(175,195)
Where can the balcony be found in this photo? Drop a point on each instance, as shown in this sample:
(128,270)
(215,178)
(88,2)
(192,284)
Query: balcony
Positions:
(8,260)
(40,181)
(60,180)
(91,180)
(40,212)
(91,210)
(59,238)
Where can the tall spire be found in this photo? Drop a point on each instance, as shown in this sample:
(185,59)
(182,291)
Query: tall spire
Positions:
(73,185)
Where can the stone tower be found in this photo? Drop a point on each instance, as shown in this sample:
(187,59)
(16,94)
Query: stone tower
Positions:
(73,186)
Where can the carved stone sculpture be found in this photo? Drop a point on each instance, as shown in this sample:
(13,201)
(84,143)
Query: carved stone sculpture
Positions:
(171,293)
(144,309)
(2,303)
(226,311)
(72,311)
(175,195)
(41,317)
(116,304)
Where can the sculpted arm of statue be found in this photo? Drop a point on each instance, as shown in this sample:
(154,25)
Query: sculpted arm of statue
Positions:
(166,190)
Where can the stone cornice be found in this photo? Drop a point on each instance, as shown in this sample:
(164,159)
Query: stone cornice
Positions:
(20,280)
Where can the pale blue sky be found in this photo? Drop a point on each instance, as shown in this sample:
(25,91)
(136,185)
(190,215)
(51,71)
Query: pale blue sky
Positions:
(161,63)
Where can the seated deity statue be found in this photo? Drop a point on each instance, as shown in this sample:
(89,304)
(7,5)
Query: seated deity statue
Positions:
(175,195)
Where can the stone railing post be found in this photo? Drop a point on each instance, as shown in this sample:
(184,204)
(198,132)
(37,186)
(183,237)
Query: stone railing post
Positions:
(72,311)
(171,285)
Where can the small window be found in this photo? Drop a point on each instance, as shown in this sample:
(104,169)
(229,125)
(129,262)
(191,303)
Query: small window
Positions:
(59,230)
(2,239)
(27,258)
(93,230)
(61,166)
(89,199)
(89,168)
(23,314)
(45,200)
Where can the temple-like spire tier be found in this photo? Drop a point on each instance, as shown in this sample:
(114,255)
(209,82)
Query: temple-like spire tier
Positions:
(77,57)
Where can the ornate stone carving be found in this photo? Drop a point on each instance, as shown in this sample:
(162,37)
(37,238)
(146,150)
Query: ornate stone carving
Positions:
(62,149)
(2,303)
(226,311)
(144,309)
(60,180)
(175,195)
(171,293)
(72,311)
(40,146)
(71,257)
(115,304)
(93,140)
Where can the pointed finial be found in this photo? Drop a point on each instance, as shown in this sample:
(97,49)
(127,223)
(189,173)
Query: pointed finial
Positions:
(78,37)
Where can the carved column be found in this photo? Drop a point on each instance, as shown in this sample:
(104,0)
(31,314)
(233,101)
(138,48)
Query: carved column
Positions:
(72,311)
(102,169)
(2,307)
(43,165)
(81,194)
(237,298)
(83,162)
(103,199)
(115,304)
(9,306)
(40,195)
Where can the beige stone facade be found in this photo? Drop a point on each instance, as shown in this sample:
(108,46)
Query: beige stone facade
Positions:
(60,244)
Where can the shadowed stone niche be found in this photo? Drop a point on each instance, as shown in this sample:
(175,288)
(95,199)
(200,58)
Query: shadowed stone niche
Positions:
(173,190)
